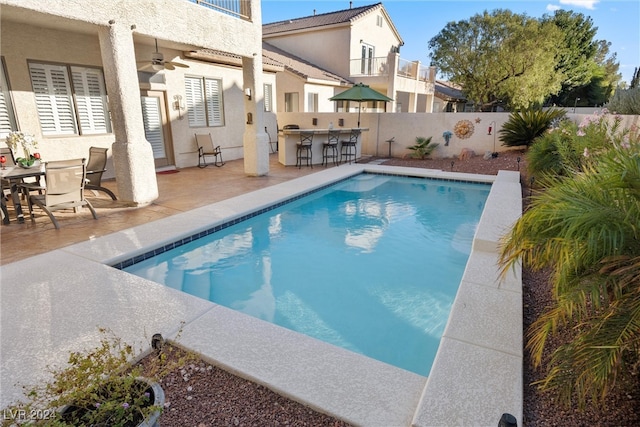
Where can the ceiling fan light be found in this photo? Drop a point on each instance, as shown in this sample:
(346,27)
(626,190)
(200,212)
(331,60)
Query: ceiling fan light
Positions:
(157,67)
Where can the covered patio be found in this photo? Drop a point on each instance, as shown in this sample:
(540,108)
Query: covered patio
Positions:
(179,191)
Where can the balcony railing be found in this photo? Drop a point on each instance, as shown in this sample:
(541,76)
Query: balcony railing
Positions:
(238,8)
(370,67)
(380,67)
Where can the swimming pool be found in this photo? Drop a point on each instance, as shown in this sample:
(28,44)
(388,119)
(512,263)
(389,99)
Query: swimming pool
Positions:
(371,264)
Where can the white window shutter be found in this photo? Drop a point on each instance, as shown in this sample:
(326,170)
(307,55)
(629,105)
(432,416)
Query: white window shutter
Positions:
(7,117)
(213,90)
(268,107)
(91,100)
(53,99)
(152,117)
(5,120)
(194,95)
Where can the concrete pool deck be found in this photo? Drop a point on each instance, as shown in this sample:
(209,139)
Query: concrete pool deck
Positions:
(54,303)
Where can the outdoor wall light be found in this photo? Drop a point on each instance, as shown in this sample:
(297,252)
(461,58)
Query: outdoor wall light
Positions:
(178,105)
(340,122)
(314,121)
(247,93)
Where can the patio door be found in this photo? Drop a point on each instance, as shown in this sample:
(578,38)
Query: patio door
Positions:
(156,127)
(366,60)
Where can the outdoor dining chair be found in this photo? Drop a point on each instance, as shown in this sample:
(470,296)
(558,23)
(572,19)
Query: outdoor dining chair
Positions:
(64,189)
(348,147)
(9,160)
(304,149)
(206,148)
(96,166)
(330,147)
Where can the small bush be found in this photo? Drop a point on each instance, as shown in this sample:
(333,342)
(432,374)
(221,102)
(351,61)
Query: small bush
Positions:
(99,387)
(423,147)
(524,127)
(625,101)
(567,149)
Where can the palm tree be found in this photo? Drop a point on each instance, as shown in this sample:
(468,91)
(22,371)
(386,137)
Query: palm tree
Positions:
(586,228)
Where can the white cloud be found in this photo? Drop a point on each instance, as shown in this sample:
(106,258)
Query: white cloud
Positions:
(553,7)
(587,4)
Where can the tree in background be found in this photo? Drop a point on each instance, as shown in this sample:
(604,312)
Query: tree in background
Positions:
(526,62)
(500,56)
(576,50)
(602,84)
(635,80)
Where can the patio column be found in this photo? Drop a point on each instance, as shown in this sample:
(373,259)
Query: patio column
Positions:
(392,59)
(132,153)
(255,139)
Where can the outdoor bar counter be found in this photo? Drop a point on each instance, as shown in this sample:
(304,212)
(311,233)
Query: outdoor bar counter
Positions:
(289,138)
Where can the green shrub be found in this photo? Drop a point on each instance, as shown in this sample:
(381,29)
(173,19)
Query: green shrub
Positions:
(98,387)
(567,149)
(556,153)
(524,127)
(423,147)
(625,101)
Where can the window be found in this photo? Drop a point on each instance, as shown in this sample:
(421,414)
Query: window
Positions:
(379,21)
(366,61)
(268,97)
(71,100)
(312,102)
(7,116)
(204,101)
(291,102)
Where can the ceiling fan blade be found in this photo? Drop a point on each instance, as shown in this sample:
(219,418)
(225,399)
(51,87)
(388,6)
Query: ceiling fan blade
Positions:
(144,65)
(178,64)
(169,66)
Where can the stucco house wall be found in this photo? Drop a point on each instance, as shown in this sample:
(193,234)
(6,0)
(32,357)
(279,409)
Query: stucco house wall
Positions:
(68,32)
(366,30)
(327,48)
(334,46)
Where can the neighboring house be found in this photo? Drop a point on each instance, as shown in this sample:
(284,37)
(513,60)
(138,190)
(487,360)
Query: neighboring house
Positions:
(303,86)
(449,98)
(360,44)
(88,73)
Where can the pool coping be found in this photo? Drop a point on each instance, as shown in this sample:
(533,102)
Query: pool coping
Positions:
(54,303)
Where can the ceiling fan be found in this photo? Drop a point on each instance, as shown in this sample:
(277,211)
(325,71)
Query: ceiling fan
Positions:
(158,63)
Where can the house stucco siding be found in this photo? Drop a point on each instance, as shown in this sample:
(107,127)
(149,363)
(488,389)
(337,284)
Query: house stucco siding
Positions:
(116,37)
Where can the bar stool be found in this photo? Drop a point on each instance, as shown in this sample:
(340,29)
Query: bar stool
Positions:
(303,149)
(330,148)
(348,148)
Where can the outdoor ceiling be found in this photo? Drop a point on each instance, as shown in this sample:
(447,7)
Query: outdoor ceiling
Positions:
(44,20)
(38,19)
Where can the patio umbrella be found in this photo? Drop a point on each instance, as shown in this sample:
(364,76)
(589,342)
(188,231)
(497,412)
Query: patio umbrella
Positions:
(360,92)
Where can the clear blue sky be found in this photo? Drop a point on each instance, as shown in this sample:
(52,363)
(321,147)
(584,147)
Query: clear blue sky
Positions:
(417,21)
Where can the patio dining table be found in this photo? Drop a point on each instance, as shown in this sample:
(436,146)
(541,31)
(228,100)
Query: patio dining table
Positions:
(15,175)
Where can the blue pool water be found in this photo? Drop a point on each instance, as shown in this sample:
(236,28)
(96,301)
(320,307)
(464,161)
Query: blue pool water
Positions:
(371,264)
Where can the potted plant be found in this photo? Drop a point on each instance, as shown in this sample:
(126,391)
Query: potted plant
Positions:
(100,387)
(28,144)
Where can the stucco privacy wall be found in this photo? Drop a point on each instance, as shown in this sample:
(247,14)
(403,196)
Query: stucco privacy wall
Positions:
(405,127)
